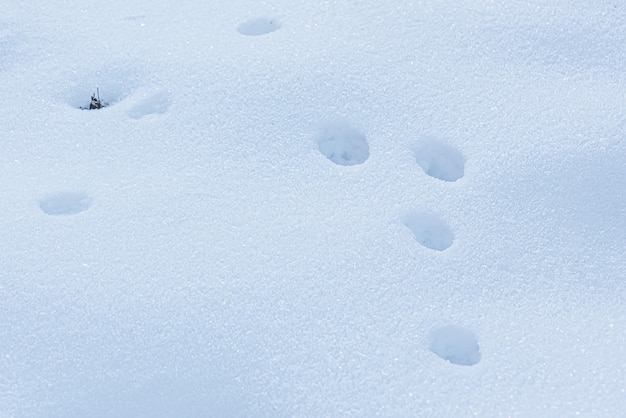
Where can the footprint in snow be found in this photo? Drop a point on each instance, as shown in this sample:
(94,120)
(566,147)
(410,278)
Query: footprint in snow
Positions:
(455,344)
(343,144)
(110,86)
(65,203)
(259,26)
(429,230)
(150,104)
(440,160)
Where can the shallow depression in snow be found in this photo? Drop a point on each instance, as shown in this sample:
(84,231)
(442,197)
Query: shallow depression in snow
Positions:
(65,203)
(342,143)
(8,40)
(440,160)
(151,104)
(111,85)
(455,344)
(259,26)
(430,230)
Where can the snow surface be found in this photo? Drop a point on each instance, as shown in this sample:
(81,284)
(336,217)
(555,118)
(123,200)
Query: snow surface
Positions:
(196,249)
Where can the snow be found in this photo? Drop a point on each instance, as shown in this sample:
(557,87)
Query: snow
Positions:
(257,27)
(455,344)
(313,209)
(343,144)
(430,230)
(440,160)
(65,203)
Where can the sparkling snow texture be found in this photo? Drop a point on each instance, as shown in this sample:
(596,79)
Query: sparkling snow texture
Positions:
(300,208)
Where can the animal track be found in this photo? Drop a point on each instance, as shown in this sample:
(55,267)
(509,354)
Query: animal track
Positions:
(455,344)
(343,144)
(440,160)
(152,104)
(259,26)
(114,85)
(65,203)
(5,52)
(14,43)
(430,230)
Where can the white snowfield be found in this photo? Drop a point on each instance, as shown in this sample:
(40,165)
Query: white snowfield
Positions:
(301,208)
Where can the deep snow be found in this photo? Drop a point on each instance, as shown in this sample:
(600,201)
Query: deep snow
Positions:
(313,208)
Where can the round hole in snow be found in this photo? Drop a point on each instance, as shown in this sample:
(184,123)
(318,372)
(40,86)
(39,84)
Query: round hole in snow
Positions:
(65,203)
(259,26)
(112,85)
(440,160)
(343,144)
(455,344)
(429,230)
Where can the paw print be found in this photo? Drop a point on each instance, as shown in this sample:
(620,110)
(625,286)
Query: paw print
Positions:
(443,162)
